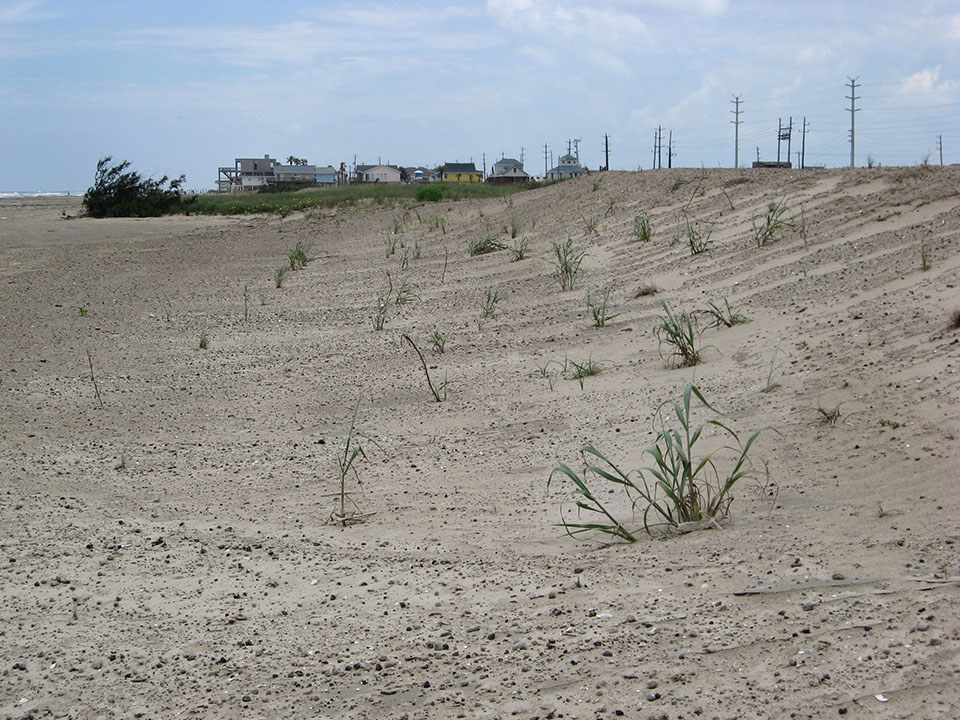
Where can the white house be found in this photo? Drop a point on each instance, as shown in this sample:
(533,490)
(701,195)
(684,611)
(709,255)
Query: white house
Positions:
(378,174)
(568,167)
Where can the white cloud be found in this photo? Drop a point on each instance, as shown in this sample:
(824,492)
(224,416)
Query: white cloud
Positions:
(953,28)
(611,26)
(928,82)
(25,11)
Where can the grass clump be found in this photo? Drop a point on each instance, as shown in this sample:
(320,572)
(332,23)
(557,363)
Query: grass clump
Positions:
(407,292)
(697,238)
(641,228)
(438,339)
(518,251)
(350,453)
(581,370)
(724,316)
(684,488)
(566,263)
(380,312)
(484,245)
(489,305)
(598,309)
(772,225)
(298,256)
(278,276)
(680,334)
(954,319)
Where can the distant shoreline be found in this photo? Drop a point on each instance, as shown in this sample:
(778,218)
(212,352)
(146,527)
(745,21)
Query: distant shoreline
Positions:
(14,194)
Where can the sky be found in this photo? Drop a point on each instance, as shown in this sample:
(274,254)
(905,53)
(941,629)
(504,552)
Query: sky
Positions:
(180,87)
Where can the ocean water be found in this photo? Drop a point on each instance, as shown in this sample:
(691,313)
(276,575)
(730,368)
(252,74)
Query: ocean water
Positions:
(37,193)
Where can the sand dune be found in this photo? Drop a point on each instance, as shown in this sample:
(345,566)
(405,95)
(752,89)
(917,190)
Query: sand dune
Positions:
(169,555)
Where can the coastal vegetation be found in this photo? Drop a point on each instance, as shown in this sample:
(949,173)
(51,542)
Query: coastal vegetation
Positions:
(118,191)
(359,195)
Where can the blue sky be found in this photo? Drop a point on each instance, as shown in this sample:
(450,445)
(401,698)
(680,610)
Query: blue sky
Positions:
(184,87)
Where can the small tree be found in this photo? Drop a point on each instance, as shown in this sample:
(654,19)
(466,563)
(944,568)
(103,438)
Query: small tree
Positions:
(120,192)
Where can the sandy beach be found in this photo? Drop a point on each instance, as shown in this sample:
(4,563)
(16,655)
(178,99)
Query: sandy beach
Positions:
(166,544)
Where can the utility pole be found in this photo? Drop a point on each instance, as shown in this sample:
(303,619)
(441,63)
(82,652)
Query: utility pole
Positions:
(521,155)
(576,147)
(545,155)
(940,146)
(852,97)
(783,133)
(655,149)
(789,136)
(484,166)
(606,152)
(736,130)
(659,147)
(670,150)
(803,144)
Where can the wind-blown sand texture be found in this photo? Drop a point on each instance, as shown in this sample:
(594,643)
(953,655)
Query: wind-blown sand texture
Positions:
(168,555)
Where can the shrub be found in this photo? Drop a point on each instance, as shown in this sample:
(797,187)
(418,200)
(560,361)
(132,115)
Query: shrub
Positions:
(430,193)
(120,192)
(683,489)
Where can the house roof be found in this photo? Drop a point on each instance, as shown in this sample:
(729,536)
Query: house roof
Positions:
(461,167)
(365,168)
(508,161)
(514,170)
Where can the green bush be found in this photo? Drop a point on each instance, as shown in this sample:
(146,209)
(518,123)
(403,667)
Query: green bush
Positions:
(430,193)
(120,192)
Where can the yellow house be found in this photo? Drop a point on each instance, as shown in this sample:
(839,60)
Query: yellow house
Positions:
(461,173)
